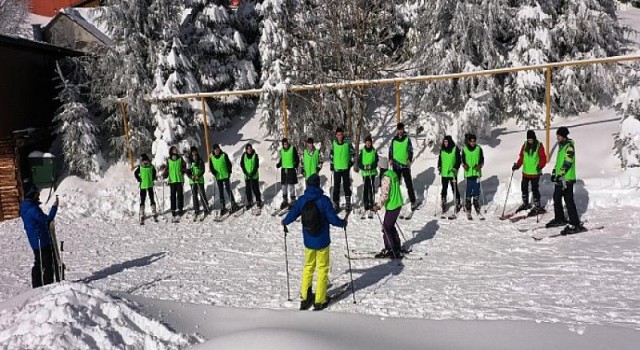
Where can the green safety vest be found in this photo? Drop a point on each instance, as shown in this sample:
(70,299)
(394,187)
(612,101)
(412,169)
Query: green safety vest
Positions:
(530,160)
(447,162)
(146,177)
(395,200)
(220,166)
(310,162)
(286,158)
(341,155)
(368,158)
(196,171)
(570,175)
(250,166)
(175,171)
(473,159)
(401,151)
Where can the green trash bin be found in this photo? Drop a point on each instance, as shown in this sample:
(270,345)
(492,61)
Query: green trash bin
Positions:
(42,168)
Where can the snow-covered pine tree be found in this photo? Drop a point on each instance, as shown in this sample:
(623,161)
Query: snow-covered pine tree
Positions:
(627,142)
(13,16)
(75,125)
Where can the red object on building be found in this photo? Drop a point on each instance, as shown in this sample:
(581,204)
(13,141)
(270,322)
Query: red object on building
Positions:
(49,8)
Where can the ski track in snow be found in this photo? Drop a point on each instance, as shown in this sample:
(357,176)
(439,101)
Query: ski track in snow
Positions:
(470,270)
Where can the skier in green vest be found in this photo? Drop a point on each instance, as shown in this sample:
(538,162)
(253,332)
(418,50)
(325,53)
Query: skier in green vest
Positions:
(174,171)
(391,199)
(220,166)
(195,173)
(400,159)
(288,165)
(472,162)
(342,154)
(311,161)
(250,163)
(532,159)
(564,177)
(368,165)
(145,173)
(449,162)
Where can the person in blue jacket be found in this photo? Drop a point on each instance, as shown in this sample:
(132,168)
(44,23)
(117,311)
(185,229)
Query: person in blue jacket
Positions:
(316,236)
(36,224)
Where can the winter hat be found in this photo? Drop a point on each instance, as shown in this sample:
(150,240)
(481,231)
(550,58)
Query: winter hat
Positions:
(32,192)
(471,137)
(216,146)
(531,135)
(563,131)
(450,139)
(313,180)
(193,148)
(383,163)
(400,126)
(339,130)
(284,139)
(144,157)
(310,140)
(368,138)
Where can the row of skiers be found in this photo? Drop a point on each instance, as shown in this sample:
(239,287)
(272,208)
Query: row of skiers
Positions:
(532,159)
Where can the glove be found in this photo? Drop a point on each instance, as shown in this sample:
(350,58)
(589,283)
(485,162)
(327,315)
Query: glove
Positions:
(355,169)
(515,167)
(278,165)
(367,167)
(478,167)
(466,167)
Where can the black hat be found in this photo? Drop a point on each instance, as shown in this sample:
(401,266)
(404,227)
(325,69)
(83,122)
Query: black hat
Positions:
(400,126)
(216,146)
(531,135)
(313,180)
(32,192)
(144,157)
(248,145)
(339,129)
(193,148)
(368,138)
(471,137)
(563,131)
(310,140)
(284,139)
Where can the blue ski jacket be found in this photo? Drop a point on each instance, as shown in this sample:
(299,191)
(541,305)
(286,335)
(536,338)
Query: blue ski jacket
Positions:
(36,223)
(323,239)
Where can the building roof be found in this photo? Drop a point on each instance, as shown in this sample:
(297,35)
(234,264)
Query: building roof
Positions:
(88,19)
(38,46)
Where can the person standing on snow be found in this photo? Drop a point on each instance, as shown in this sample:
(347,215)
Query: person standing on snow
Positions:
(220,166)
(400,158)
(317,213)
(196,180)
(472,162)
(249,163)
(532,159)
(564,177)
(36,225)
(342,153)
(311,161)
(288,165)
(174,171)
(391,199)
(449,162)
(368,165)
(145,174)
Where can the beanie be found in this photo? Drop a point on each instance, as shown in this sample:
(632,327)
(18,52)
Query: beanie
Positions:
(531,135)
(563,131)
(144,157)
(313,180)
(400,126)
(368,138)
(32,192)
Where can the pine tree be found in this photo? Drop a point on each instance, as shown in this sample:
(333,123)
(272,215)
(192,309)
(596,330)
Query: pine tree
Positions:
(13,16)
(78,133)
(627,141)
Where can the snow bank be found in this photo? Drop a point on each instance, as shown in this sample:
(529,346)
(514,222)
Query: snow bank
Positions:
(76,316)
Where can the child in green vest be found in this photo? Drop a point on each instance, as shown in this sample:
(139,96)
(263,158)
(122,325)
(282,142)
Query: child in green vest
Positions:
(288,165)
(145,173)
(249,163)
(564,176)
(174,171)
(391,199)
(311,161)
(472,162)
(196,180)
(449,162)
(220,166)
(342,154)
(368,165)
(532,159)
(400,158)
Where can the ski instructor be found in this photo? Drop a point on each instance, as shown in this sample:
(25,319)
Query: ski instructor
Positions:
(36,224)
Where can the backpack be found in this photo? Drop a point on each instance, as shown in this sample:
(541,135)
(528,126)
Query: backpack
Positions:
(312,219)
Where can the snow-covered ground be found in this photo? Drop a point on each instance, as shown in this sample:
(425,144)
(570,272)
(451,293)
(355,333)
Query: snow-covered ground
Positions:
(467,284)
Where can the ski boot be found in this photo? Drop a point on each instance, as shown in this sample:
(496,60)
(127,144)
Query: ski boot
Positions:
(476,204)
(573,229)
(259,204)
(414,206)
(556,223)
(537,209)
(284,204)
(458,206)
(524,206)
(306,303)
(322,306)
(249,205)
(154,211)
(234,207)
(384,253)
(336,206)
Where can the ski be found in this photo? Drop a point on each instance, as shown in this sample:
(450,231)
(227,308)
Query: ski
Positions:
(360,252)
(555,235)
(256,211)
(530,214)
(56,251)
(480,216)
(372,257)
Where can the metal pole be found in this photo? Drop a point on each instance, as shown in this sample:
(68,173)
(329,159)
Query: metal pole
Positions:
(548,103)
(123,110)
(353,289)
(397,87)
(285,115)
(205,125)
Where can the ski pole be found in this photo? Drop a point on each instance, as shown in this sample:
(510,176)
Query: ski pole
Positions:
(286,260)
(353,290)
(41,269)
(504,208)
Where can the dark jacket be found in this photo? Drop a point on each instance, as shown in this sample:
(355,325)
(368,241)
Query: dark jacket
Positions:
(410,150)
(481,157)
(199,163)
(36,223)
(222,154)
(244,170)
(165,172)
(323,239)
(448,150)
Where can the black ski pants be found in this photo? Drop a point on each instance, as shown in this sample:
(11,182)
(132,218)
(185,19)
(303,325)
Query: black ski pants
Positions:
(535,189)
(222,186)
(251,188)
(44,270)
(143,196)
(446,181)
(406,174)
(198,193)
(177,197)
(566,193)
(369,191)
(341,177)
